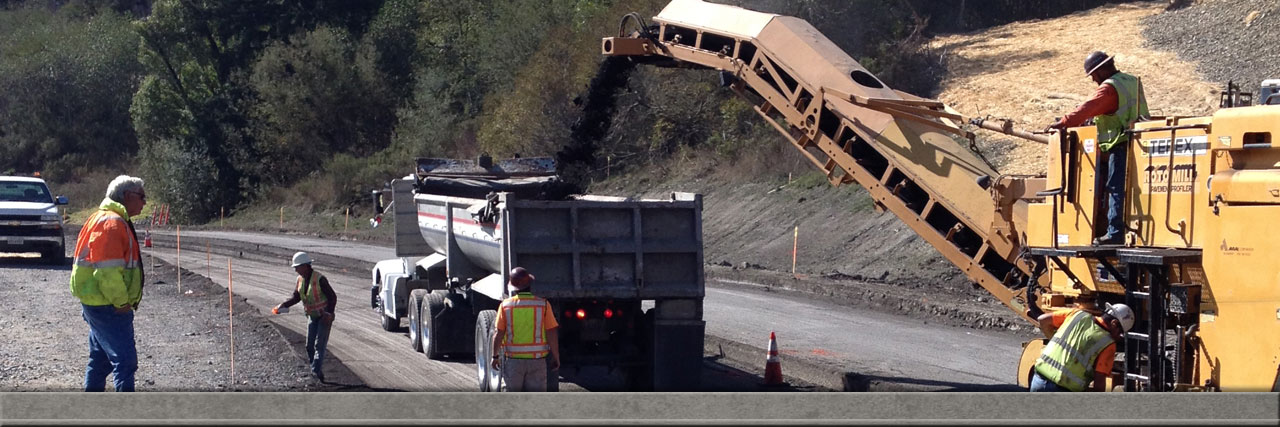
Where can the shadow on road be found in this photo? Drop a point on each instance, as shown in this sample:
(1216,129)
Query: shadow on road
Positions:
(858,382)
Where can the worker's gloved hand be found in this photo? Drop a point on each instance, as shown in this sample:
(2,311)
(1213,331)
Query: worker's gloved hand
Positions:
(327,318)
(124,309)
(553,364)
(496,362)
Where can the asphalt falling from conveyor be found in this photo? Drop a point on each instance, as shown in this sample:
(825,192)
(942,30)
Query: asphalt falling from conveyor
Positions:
(578,158)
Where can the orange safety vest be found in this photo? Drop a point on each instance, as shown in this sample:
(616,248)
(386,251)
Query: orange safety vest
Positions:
(313,300)
(526,338)
(108,261)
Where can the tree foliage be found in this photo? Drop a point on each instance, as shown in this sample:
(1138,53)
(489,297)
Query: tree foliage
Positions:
(65,86)
(222,102)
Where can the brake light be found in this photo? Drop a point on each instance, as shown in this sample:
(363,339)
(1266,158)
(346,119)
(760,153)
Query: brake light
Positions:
(582,314)
(608,313)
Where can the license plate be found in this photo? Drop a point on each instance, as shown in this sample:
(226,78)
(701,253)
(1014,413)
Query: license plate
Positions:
(595,330)
(15,241)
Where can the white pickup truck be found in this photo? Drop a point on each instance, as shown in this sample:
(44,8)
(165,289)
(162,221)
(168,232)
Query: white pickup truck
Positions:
(29,218)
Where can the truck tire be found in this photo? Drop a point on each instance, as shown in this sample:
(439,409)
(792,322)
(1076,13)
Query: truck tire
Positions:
(389,324)
(553,376)
(415,319)
(486,376)
(433,325)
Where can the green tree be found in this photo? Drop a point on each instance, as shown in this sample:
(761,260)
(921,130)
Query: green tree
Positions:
(65,89)
(316,97)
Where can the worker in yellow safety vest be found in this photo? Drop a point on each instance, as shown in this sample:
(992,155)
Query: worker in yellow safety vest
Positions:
(525,344)
(318,301)
(107,278)
(1081,352)
(1116,104)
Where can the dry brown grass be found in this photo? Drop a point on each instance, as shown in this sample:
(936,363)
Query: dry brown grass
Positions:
(1032,72)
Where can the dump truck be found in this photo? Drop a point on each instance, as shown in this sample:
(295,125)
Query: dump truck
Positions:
(624,276)
(1196,264)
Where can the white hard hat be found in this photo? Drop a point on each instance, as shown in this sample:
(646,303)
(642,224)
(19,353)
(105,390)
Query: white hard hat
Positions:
(1122,313)
(301,258)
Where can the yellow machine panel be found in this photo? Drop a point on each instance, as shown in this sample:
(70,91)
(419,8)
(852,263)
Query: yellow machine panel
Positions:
(1239,338)
(1169,181)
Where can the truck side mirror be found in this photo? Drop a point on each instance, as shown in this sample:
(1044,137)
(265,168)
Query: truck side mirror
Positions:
(61,200)
(377,202)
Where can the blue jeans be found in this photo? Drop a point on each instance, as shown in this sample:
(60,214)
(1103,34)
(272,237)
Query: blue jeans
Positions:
(111,348)
(1039,384)
(317,343)
(1117,162)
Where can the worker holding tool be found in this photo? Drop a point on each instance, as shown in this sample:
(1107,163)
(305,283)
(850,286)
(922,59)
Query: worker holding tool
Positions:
(1083,351)
(1118,102)
(107,278)
(526,344)
(318,301)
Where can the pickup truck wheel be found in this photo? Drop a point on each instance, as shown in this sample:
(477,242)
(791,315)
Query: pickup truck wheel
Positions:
(486,376)
(416,337)
(433,325)
(56,256)
(389,324)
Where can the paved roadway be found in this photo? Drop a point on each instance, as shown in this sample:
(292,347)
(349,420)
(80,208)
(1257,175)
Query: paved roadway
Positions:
(887,347)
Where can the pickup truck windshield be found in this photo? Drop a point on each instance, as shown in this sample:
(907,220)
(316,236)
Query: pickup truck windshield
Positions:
(24,192)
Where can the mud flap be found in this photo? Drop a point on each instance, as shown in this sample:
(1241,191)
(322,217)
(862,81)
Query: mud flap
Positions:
(677,354)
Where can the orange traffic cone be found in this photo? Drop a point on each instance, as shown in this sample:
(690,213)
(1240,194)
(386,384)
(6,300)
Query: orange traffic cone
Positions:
(772,366)
(146,243)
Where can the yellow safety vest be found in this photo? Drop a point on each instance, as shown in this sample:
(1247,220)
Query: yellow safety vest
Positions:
(1131,103)
(1069,358)
(313,300)
(526,338)
(108,261)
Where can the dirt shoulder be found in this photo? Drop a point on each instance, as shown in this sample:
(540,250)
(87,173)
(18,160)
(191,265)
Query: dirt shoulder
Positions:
(183,337)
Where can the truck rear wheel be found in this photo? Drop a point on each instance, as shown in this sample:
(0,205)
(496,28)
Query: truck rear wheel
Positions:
(553,376)
(389,324)
(432,324)
(415,319)
(486,376)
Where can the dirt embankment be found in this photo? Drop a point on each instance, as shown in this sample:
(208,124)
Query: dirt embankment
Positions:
(1033,72)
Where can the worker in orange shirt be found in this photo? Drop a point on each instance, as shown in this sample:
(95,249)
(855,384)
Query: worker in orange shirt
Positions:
(526,344)
(1083,351)
(1118,102)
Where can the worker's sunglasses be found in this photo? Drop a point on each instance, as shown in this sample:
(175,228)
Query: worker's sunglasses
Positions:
(141,195)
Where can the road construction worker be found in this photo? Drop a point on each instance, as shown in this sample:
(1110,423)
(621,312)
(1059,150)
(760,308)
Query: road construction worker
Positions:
(319,302)
(107,279)
(526,344)
(1083,351)
(1118,102)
